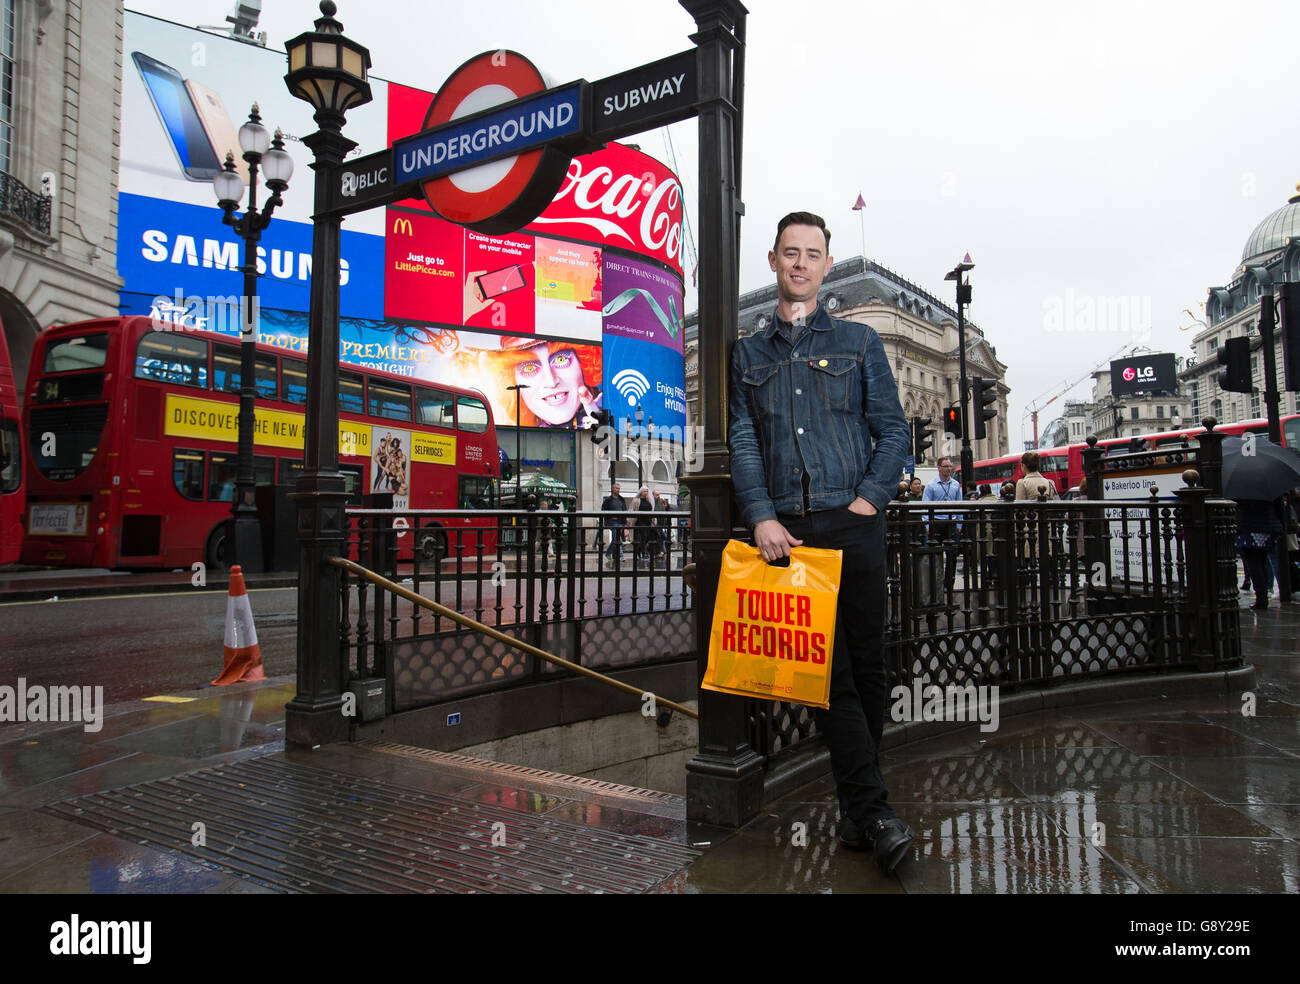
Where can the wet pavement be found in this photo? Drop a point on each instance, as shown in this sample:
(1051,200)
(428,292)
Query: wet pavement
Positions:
(1170,795)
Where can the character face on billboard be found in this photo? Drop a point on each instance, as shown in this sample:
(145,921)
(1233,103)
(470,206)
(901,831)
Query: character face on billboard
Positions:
(554,381)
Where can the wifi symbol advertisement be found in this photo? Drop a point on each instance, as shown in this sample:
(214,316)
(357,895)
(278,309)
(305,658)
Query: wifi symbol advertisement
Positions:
(631,385)
(638,372)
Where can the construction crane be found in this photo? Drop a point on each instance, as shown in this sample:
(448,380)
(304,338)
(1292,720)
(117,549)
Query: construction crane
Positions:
(1041,402)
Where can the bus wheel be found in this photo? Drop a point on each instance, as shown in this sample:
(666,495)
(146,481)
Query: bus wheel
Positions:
(431,544)
(216,554)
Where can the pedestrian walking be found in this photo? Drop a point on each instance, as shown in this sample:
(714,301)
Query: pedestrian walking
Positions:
(614,525)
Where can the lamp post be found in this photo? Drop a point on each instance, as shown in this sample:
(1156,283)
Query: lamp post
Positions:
(329,71)
(519,502)
(259,150)
(637,433)
(957,273)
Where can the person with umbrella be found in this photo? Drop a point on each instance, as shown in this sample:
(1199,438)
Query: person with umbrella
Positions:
(1257,472)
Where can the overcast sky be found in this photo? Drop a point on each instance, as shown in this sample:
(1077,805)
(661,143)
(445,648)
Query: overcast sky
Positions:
(1082,153)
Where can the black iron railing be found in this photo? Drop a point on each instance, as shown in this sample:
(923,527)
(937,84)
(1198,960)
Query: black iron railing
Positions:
(1033,594)
(571,583)
(22,203)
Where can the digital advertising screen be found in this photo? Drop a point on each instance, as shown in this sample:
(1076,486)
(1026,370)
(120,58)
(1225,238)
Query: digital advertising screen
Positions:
(594,282)
(1147,374)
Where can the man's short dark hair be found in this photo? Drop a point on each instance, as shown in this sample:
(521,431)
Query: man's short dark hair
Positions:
(802,218)
(942,460)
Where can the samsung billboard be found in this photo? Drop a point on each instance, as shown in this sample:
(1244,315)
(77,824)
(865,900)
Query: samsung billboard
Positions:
(1146,375)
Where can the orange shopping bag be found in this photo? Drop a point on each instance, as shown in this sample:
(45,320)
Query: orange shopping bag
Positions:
(773,626)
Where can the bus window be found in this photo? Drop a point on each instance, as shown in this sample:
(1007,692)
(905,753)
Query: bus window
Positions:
(264,373)
(290,470)
(391,400)
(81,352)
(435,408)
(222,470)
(1291,433)
(187,473)
(295,382)
(473,415)
(352,478)
(169,357)
(226,364)
(476,492)
(11,458)
(350,390)
(225,369)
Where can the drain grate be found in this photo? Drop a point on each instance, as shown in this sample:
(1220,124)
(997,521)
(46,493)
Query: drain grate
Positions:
(651,801)
(298,828)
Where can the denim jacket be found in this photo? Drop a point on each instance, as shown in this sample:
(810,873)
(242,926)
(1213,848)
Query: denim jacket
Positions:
(827,404)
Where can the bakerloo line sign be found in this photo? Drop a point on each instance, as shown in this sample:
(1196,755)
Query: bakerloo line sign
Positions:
(497,143)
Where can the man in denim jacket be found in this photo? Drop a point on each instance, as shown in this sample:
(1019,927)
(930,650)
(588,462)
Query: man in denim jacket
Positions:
(817,441)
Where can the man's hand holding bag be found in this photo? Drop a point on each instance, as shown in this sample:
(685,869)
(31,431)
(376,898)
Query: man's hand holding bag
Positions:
(773,627)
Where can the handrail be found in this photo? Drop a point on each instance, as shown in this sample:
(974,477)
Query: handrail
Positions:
(469,623)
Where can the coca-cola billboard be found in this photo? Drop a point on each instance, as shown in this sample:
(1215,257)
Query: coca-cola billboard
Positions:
(622,198)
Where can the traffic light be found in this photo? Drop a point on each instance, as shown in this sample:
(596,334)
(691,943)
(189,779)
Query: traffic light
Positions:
(952,421)
(922,441)
(985,393)
(600,433)
(1289,303)
(1234,355)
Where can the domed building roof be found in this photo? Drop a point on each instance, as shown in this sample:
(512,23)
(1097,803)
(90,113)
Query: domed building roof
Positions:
(1272,234)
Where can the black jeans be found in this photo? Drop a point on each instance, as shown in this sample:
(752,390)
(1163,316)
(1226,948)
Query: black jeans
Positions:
(853,725)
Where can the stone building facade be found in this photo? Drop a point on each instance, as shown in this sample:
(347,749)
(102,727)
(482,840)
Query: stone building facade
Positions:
(62,67)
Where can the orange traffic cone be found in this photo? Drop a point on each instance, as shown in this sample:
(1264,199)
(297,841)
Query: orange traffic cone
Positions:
(242,654)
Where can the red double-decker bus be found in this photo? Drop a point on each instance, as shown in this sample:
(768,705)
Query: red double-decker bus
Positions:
(11,462)
(132,429)
(1064,465)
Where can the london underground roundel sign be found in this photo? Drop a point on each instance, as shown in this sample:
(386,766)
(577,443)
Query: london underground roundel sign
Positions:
(506,194)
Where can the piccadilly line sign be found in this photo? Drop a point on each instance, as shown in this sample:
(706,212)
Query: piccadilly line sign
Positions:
(577,117)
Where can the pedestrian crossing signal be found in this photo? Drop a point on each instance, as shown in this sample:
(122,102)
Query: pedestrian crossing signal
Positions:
(952,421)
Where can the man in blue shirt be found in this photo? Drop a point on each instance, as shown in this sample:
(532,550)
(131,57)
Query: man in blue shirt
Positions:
(945,527)
(818,440)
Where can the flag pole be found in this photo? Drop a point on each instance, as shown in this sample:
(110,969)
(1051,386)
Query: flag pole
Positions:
(860,206)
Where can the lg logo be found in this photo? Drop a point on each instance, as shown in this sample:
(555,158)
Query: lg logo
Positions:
(1143,372)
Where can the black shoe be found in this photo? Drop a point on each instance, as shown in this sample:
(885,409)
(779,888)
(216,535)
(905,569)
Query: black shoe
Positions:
(852,838)
(1260,604)
(892,839)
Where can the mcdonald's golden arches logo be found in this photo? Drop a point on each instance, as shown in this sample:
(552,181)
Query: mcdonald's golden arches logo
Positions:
(403,225)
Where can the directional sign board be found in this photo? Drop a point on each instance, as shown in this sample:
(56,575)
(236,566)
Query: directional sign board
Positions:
(496,144)
(366,182)
(501,132)
(647,96)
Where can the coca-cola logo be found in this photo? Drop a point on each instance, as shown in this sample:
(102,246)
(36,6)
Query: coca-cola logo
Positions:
(624,205)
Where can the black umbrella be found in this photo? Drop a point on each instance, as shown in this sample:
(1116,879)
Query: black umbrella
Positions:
(1256,468)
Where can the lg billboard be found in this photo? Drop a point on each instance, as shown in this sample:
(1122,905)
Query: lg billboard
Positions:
(1147,375)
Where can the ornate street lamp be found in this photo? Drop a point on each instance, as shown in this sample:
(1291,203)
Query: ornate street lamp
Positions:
(329,71)
(277,166)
